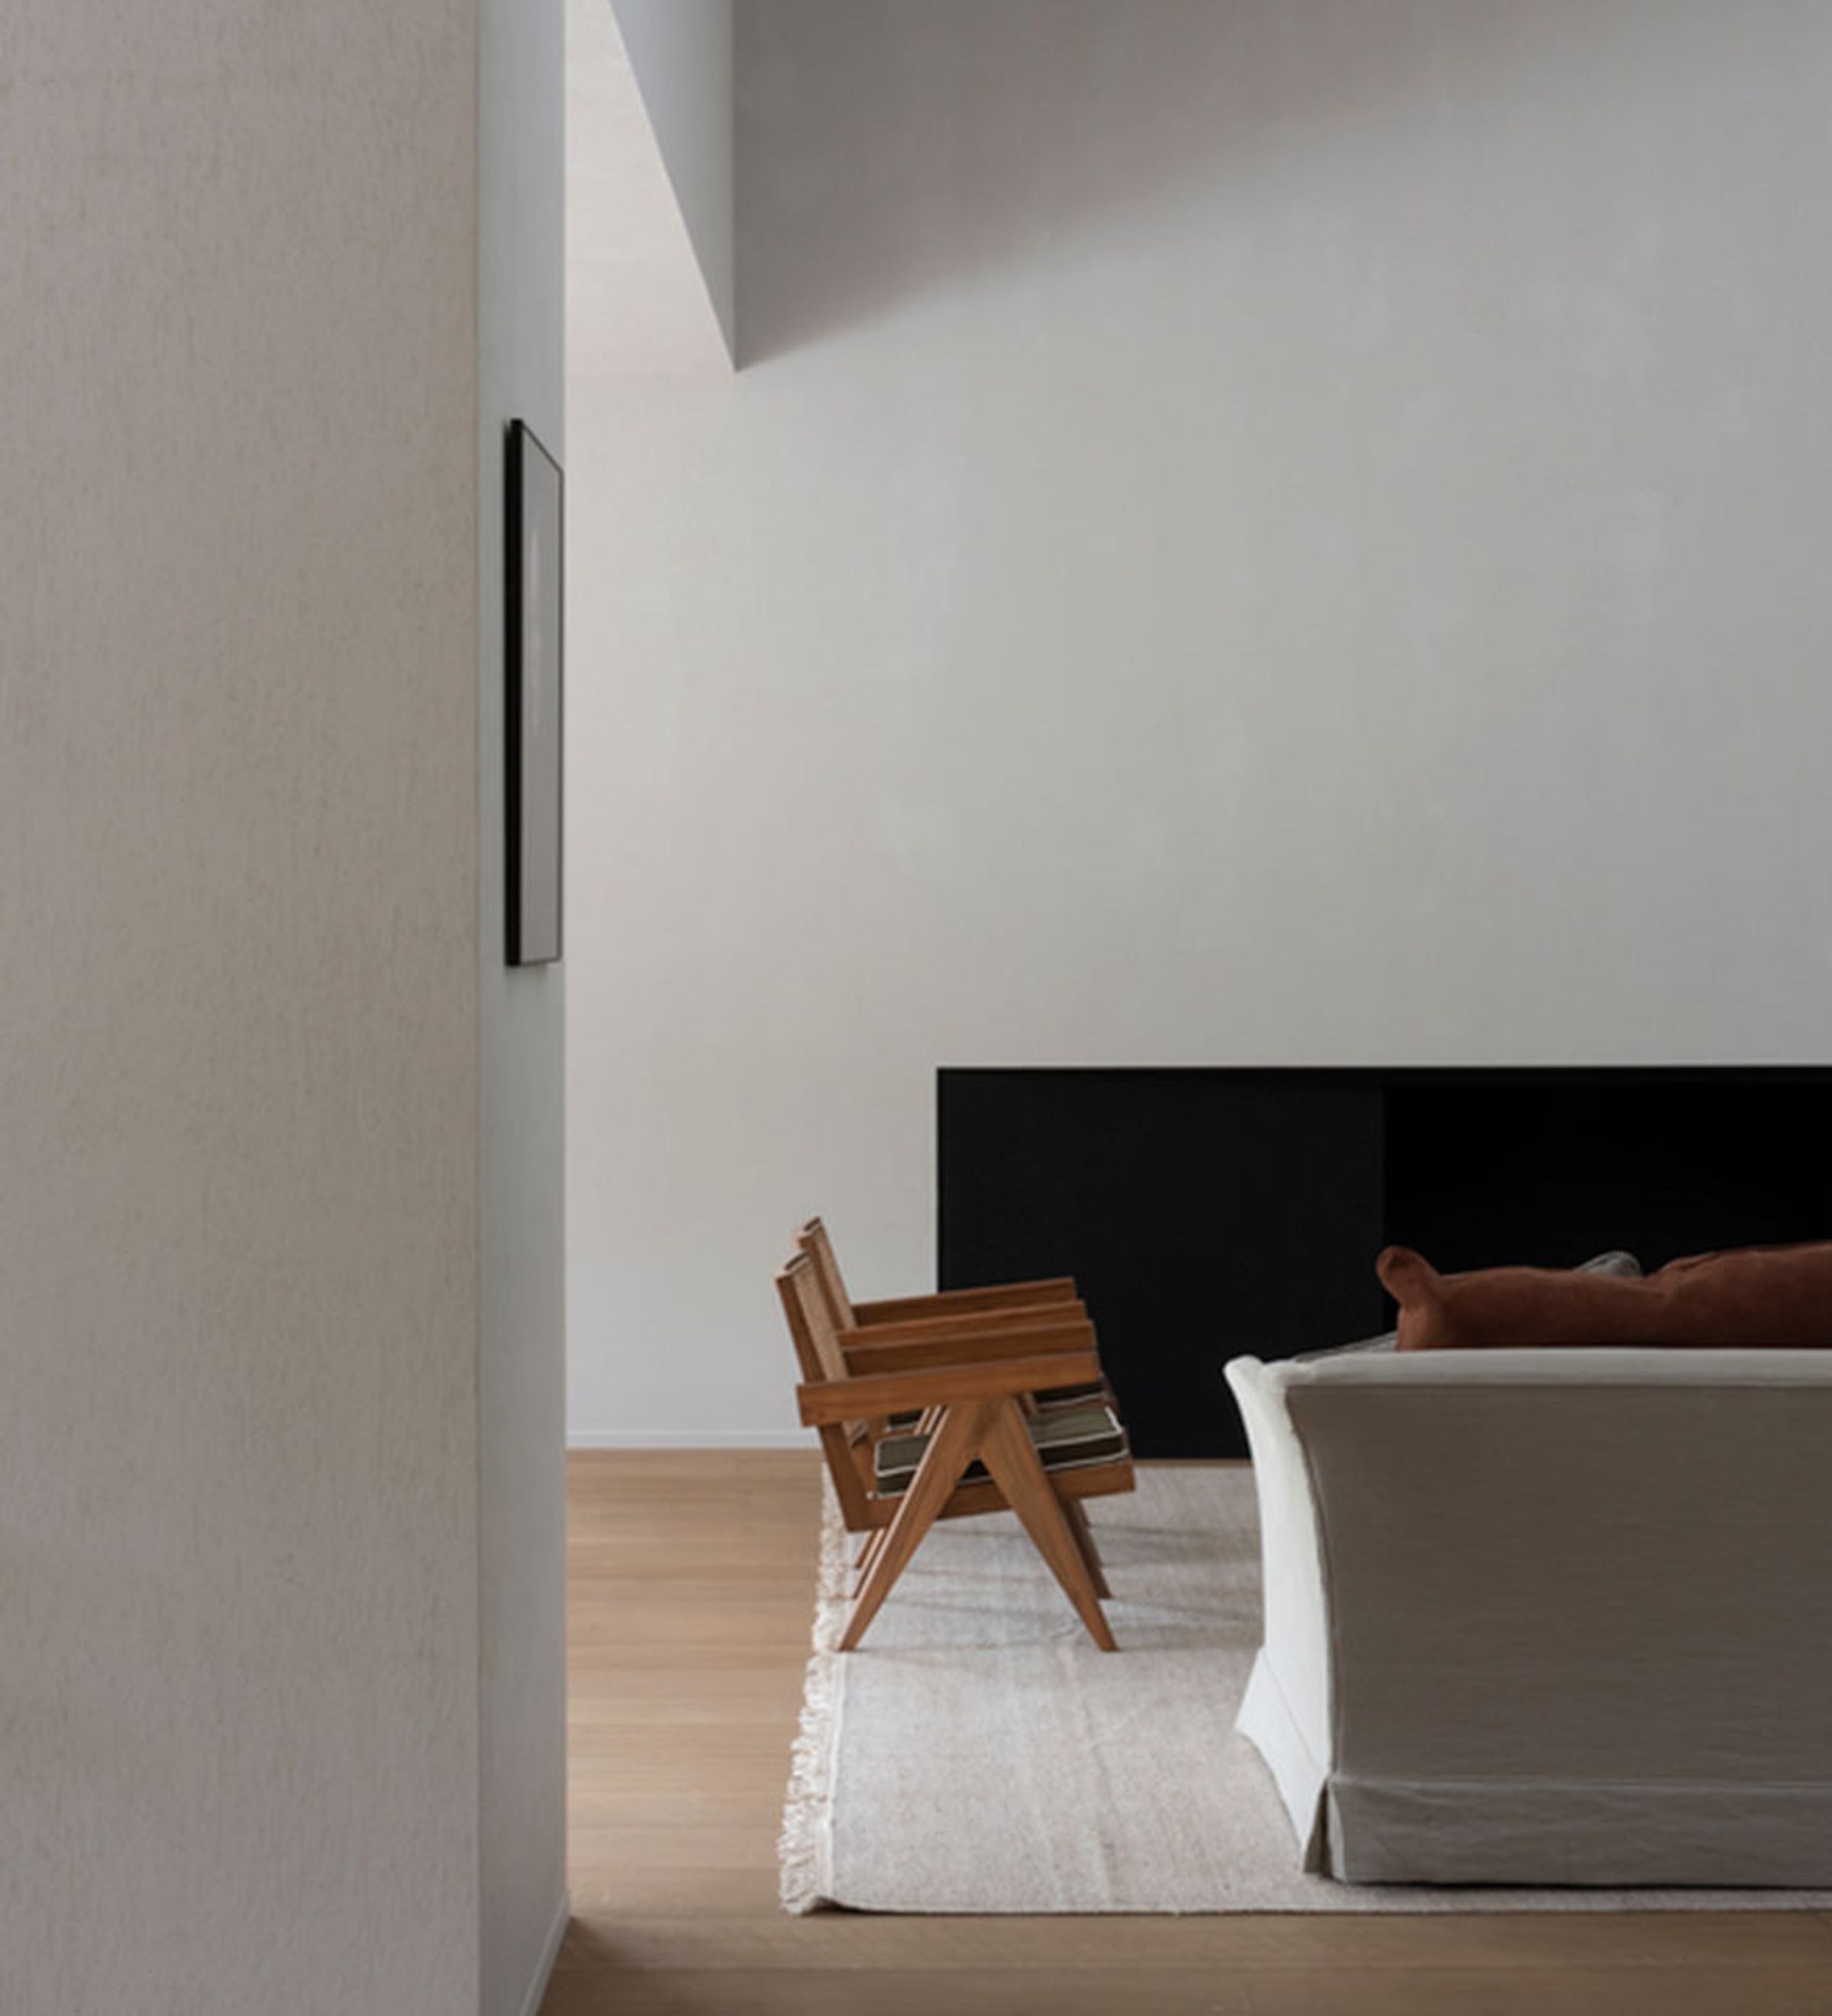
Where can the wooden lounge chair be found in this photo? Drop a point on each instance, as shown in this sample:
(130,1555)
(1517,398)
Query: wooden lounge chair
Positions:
(1006,1302)
(976,1449)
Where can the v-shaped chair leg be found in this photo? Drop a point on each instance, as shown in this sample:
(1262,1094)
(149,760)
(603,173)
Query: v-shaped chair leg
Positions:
(874,1543)
(951,1449)
(1078,1518)
(1007,1451)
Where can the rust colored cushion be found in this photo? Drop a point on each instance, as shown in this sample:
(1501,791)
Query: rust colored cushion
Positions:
(1749,1294)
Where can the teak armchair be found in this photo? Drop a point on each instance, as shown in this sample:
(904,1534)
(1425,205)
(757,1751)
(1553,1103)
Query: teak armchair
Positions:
(1008,1302)
(976,1449)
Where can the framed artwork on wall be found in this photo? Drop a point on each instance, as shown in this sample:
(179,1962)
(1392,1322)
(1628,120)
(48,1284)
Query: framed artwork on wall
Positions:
(535,719)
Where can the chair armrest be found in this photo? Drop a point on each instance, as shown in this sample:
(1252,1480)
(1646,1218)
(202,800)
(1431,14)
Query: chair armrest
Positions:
(899,1392)
(866,1355)
(1008,1294)
(965,1322)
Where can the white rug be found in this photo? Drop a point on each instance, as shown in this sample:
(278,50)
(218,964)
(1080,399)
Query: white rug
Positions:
(978,1754)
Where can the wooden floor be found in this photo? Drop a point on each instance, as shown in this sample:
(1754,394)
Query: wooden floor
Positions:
(693,1584)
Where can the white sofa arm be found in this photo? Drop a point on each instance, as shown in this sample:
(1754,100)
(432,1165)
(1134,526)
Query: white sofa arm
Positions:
(1286,1711)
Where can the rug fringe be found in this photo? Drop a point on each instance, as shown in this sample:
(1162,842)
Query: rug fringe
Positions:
(802,1848)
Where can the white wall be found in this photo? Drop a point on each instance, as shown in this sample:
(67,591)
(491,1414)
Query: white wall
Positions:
(246,1218)
(1269,534)
(521,1267)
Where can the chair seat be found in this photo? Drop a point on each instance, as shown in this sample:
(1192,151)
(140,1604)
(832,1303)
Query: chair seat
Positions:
(1070,1436)
(1057,1396)
(1066,1396)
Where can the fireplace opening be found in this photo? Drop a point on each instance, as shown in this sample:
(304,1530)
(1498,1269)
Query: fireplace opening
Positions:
(1210,1211)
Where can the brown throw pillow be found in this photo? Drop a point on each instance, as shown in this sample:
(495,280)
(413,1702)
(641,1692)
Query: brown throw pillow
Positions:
(1751,1294)
(1616,1262)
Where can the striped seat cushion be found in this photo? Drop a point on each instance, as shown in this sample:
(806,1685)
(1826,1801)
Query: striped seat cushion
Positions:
(1067,1437)
(1066,1396)
(1057,1396)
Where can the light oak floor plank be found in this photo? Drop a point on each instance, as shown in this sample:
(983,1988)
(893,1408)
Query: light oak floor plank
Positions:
(692,1586)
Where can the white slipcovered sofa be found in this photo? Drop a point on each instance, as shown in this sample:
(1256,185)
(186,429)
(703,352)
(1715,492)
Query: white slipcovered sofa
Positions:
(1547,1616)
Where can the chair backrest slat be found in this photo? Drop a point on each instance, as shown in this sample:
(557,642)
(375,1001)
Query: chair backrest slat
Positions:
(811,1321)
(813,1240)
(817,1350)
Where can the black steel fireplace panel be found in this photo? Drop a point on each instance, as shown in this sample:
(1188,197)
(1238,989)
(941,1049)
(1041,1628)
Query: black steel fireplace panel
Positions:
(1206,1212)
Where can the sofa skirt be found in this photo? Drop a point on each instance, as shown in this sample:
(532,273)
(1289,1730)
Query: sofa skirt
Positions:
(1542,1833)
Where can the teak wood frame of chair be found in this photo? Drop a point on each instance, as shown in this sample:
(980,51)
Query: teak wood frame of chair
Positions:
(969,1383)
(1006,1303)
(950,1305)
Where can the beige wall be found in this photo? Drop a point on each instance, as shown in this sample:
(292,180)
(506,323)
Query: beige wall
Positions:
(240,1184)
(1282,533)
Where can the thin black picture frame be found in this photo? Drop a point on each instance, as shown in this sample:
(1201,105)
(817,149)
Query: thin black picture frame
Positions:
(534,700)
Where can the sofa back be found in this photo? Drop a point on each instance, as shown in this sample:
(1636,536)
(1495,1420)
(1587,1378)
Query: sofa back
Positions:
(1619,1563)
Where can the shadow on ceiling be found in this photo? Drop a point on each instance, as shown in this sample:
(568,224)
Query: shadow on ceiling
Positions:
(887,148)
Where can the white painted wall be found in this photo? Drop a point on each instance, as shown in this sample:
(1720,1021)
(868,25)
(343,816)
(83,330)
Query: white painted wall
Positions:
(681,53)
(253,1064)
(521,1265)
(1270,533)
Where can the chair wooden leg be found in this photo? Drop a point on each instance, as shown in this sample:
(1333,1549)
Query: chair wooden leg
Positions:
(1078,1518)
(874,1541)
(1007,1451)
(951,1449)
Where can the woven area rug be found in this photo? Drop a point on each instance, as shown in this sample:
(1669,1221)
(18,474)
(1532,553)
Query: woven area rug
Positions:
(978,1754)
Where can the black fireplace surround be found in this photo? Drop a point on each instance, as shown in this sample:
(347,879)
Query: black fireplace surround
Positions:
(1207,1212)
